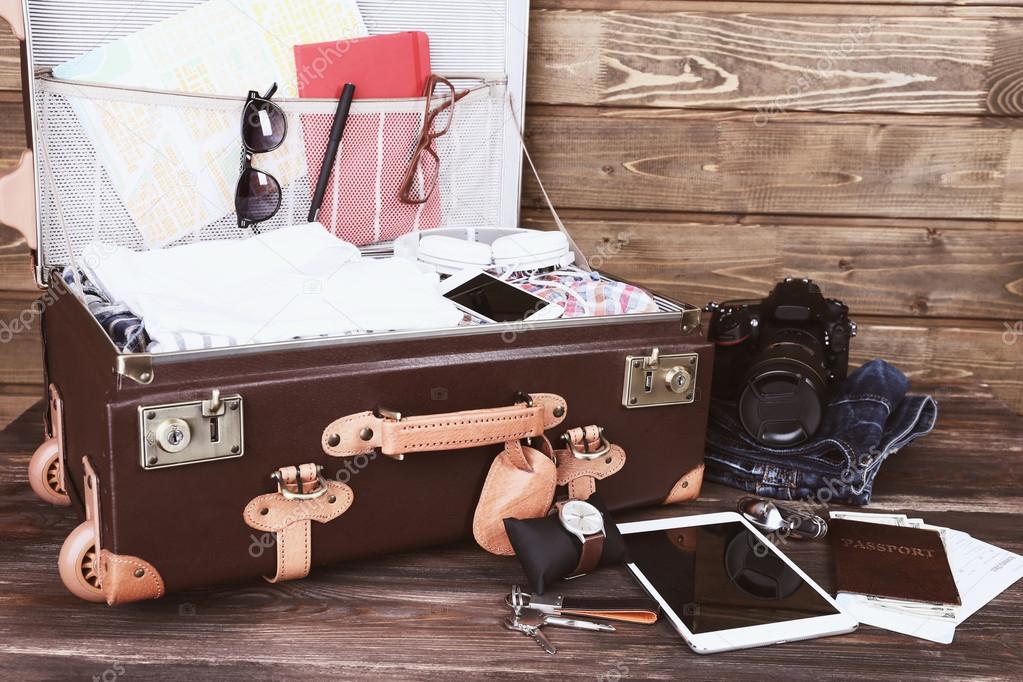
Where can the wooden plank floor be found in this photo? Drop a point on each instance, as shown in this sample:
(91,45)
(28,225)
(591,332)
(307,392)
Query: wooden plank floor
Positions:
(437,614)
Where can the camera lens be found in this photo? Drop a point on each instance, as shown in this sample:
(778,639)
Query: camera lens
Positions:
(782,401)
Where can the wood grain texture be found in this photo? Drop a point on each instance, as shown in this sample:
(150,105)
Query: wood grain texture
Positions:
(436,614)
(15,262)
(952,270)
(12,135)
(10,60)
(917,8)
(21,355)
(15,258)
(775,63)
(991,354)
(15,399)
(646,163)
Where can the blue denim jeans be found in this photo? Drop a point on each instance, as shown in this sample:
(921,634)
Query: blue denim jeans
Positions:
(869,418)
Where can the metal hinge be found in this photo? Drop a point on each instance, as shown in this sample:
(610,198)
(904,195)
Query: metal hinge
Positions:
(655,379)
(193,432)
(691,319)
(137,366)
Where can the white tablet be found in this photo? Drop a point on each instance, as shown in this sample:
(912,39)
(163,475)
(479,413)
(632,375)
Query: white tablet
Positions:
(724,586)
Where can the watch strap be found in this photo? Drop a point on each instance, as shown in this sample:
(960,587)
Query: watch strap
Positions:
(589,557)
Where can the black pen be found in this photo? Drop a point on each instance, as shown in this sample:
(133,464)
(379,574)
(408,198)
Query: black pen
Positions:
(337,132)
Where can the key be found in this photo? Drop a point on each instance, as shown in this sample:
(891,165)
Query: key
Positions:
(532,632)
(540,638)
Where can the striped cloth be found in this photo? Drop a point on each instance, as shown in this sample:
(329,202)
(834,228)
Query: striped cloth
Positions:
(123,327)
(587,294)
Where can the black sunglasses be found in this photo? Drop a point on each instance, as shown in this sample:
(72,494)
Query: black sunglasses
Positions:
(264,128)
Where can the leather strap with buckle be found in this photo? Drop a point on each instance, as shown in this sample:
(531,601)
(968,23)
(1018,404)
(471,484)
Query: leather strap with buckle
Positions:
(303,496)
(589,457)
(301,483)
(587,443)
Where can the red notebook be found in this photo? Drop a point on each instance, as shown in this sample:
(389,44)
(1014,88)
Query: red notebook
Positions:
(381,67)
(362,203)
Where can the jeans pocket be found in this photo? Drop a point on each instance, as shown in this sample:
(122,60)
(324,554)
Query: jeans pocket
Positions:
(914,418)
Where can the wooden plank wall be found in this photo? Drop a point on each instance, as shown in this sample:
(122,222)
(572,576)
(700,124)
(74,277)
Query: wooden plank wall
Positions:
(709,149)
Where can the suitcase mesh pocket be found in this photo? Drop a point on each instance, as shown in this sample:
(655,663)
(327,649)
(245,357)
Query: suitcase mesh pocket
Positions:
(148,170)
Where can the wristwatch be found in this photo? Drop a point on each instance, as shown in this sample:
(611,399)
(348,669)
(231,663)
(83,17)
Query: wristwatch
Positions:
(584,521)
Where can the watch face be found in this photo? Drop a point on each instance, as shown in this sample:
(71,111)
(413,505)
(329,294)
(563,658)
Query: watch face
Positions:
(582,517)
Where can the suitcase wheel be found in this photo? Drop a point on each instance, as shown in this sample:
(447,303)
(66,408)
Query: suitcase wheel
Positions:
(79,564)
(44,474)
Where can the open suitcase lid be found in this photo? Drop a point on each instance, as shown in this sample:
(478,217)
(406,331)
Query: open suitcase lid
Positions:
(485,41)
(484,37)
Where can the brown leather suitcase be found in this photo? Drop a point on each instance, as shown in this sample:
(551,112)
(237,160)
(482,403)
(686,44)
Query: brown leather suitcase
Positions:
(183,526)
(204,467)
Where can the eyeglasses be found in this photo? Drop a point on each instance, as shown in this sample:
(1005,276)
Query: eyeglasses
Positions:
(264,128)
(424,169)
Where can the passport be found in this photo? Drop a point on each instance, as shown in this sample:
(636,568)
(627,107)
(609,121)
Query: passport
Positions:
(892,562)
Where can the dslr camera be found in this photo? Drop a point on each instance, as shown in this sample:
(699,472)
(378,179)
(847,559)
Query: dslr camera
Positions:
(779,359)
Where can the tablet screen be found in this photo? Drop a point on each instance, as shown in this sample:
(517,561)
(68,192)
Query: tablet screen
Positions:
(721,576)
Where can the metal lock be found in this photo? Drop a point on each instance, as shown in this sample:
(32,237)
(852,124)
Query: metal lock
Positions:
(193,432)
(656,379)
(173,435)
(678,380)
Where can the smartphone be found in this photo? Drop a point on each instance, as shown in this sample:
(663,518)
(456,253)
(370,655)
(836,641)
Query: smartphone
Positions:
(494,300)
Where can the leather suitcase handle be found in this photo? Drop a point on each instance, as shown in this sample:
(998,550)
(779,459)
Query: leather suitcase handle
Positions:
(362,433)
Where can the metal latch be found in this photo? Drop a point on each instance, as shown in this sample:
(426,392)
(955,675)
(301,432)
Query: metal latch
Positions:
(319,491)
(188,433)
(656,379)
(587,456)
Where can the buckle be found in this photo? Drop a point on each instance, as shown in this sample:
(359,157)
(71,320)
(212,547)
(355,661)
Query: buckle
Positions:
(587,455)
(394,416)
(523,398)
(320,491)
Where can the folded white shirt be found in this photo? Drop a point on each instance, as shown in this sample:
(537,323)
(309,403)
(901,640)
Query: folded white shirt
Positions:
(296,282)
